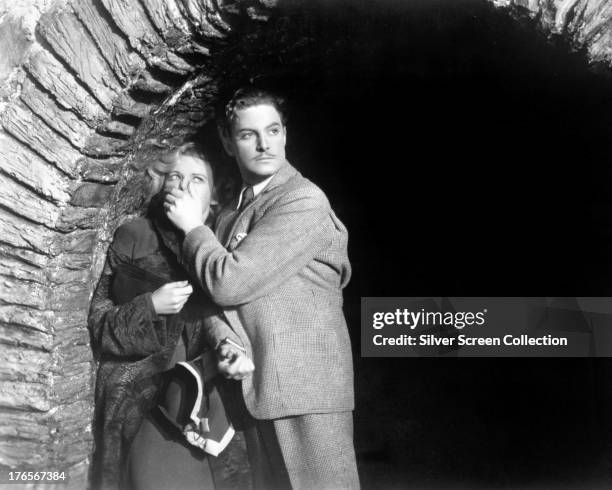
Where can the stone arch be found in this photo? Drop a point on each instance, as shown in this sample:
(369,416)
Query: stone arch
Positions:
(84,84)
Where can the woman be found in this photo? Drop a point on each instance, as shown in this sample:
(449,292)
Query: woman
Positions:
(145,317)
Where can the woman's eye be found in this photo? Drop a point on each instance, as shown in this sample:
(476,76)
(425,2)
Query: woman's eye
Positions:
(198,179)
(173,177)
(245,136)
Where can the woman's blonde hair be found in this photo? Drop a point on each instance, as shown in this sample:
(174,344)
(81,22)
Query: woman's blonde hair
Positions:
(162,165)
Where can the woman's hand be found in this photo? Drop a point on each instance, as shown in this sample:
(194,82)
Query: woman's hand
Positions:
(171,297)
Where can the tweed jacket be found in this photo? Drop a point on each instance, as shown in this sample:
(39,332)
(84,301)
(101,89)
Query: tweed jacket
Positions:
(278,268)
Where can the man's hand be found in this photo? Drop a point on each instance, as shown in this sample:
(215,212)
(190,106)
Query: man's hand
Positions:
(184,210)
(233,364)
(171,297)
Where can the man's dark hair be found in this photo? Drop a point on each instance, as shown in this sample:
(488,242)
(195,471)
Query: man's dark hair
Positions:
(248,97)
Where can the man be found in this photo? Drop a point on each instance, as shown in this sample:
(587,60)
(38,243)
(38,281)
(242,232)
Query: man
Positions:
(277,266)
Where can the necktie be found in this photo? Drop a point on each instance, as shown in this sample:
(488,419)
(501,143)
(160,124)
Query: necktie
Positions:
(247,196)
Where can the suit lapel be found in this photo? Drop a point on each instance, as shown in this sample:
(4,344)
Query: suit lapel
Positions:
(225,223)
(229,222)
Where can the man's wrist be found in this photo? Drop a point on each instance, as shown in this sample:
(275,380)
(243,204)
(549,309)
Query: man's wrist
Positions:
(190,227)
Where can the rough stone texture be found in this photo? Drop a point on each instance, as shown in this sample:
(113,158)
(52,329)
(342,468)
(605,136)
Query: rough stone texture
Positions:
(584,22)
(126,106)
(78,218)
(132,19)
(60,120)
(206,18)
(31,170)
(69,93)
(168,20)
(23,239)
(36,134)
(91,195)
(102,171)
(99,146)
(174,27)
(125,63)
(70,41)
(118,129)
(26,203)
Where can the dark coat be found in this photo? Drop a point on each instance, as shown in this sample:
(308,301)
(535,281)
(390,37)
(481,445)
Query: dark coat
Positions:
(134,345)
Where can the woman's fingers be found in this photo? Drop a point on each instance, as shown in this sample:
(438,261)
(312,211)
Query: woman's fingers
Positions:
(183,290)
(172,196)
(179,303)
(177,284)
(174,193)
(170,201)
(171,297)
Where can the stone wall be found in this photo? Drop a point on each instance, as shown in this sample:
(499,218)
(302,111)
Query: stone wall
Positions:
(585,23)
(84,84)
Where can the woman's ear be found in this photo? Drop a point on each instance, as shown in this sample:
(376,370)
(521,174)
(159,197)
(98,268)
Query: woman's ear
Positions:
(225,140)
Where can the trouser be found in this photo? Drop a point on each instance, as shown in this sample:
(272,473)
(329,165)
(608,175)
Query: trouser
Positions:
(304,452)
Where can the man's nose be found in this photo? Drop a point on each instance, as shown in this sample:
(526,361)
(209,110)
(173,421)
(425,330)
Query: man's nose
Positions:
(262,143)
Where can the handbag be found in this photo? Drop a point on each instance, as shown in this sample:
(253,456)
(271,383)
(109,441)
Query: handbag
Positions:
(191,401)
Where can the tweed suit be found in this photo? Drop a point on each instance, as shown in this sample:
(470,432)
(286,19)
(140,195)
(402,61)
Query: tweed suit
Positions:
(281,288)
(277,268)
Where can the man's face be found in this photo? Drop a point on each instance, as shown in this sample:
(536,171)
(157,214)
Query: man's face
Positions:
(189,173)
(257,142)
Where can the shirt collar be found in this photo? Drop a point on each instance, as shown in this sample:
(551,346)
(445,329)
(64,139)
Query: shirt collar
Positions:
(257,188)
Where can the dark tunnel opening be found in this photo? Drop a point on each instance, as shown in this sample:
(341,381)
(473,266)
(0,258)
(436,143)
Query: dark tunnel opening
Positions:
(466,153)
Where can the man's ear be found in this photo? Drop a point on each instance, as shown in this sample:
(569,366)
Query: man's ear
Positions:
(214,196)
(225,140)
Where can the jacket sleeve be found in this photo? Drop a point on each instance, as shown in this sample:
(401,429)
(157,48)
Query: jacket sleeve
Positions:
(290,234)
(217,329)
(129,330)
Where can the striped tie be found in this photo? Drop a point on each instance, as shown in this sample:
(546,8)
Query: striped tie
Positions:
(247,196)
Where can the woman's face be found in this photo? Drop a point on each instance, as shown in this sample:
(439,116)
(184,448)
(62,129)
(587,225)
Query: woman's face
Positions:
(191,174)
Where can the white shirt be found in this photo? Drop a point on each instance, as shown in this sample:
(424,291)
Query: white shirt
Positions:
(257,188)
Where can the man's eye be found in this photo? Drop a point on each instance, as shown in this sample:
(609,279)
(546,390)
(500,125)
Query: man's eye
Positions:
(274,131)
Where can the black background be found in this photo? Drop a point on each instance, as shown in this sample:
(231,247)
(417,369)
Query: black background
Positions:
(467,154)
